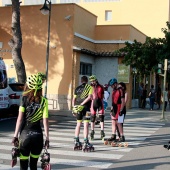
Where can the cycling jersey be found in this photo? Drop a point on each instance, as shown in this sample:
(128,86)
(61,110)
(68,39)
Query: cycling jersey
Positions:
(33,113)
(97,102)
(117,94)
(81,93)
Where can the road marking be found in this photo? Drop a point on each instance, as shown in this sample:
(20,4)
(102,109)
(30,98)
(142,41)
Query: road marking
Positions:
(92,164)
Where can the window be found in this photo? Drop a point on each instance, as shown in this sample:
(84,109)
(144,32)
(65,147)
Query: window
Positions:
(85,69)
(108,15)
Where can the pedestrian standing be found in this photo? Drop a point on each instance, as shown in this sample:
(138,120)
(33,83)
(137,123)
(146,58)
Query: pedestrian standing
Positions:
(81,108)
(166,98)
(106,96)
(97,105)
(33,108)
(152,97)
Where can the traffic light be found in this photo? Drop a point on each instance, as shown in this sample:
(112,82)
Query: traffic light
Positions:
(159,71)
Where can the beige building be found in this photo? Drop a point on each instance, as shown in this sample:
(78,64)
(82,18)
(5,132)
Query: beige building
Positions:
(77,47)
(149,16)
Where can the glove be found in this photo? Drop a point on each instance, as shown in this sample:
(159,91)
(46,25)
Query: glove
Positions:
(46,145)
(15,141)
(120,113)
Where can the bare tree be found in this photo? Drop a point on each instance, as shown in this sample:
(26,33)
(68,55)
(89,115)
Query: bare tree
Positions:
(16,42)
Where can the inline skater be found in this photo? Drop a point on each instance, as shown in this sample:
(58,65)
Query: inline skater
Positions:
(97,105)
(33,108)
(81,106)
(118,103)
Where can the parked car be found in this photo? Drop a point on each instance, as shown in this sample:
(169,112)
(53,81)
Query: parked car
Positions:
(15,92)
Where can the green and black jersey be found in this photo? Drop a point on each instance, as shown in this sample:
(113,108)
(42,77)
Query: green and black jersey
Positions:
(33,113)
(82,92)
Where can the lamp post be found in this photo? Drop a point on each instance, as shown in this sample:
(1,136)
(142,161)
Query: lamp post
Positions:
(46,10)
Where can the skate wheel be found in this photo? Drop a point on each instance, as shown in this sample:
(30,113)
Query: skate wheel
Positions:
(106,142)
(125,144)
(113,144)
(120,144)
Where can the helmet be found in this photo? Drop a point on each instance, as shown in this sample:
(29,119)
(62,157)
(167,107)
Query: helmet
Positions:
(42,75)
(77,108)
(112,81)
(34,82)
(92,78)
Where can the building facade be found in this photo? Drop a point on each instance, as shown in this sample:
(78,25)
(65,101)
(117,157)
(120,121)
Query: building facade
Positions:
(149,16)
(78,46)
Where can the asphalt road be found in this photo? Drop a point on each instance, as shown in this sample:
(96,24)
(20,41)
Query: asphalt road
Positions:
(144,132)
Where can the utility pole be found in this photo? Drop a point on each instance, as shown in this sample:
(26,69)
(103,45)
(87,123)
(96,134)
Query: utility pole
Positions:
(164,88)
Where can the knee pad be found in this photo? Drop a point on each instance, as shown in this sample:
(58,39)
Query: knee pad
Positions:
(101,117)
(93,117)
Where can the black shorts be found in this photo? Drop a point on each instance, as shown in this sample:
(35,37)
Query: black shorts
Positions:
(31,143)
(81,114)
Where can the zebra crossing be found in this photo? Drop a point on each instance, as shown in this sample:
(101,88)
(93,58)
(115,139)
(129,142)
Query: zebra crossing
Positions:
(62,143)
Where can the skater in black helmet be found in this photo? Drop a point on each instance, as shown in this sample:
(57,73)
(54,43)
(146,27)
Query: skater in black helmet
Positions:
(33,108)
(81,109)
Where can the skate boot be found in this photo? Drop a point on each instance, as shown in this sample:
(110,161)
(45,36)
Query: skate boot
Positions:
(87,147)
(78,144)
(92,135)
(102,134)
(167,146)
(15,153)
(110,140)
(120,143)
(45,160)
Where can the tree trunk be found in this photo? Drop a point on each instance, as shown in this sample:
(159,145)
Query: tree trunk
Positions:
(16,42)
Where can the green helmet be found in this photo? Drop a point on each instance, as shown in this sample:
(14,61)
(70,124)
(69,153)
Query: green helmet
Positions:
(77,108)
(42,75)
(92,78)
(34,82)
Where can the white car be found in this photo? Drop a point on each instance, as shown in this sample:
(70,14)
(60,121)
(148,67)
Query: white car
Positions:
(15,91)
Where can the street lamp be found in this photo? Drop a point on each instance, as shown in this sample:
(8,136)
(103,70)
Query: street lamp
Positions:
(46,10)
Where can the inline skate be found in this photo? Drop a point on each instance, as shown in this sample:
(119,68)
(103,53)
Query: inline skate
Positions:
(92,135)
(121,142)
(167,146)
(110,140)
(102,134)
(45,160)
(78,144)
(15,153)
(87,147)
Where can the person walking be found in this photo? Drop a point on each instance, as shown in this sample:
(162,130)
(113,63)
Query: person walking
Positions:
(152,97)
(97,105)
(33,108)
(118,103)
(81,106)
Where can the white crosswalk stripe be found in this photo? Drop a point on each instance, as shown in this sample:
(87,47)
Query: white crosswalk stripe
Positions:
(62,143)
